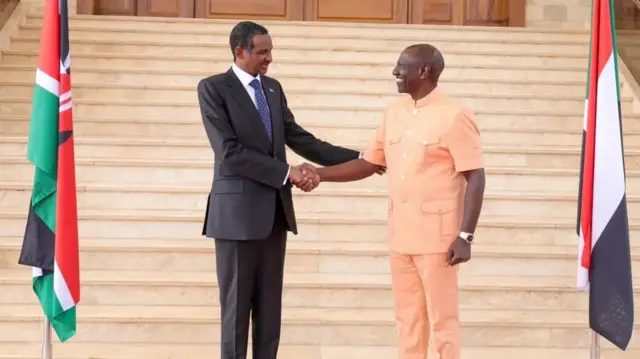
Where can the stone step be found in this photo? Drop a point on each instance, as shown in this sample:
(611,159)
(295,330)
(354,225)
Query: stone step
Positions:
(383,81)
(330,53)
(135,286)
(355,200)
(311,266)
(501,148)
(188,80)
(352,200)
(632,51)
(302,326)
(118,130)
(193,254)
(125,287)
(362,117)
(355,118)
(339,30)
(510,145)
(158,44)
(83,350)
(156,110)
(520,70)
(122,226)
(309,97)
(161,172)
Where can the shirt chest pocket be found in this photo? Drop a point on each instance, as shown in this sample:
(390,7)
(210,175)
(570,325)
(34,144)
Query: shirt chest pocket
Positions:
(416,148)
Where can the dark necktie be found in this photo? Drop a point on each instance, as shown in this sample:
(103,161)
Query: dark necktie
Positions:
(263,107)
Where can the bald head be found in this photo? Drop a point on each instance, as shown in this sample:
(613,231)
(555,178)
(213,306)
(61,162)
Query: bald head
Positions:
(427,55)
(418,69)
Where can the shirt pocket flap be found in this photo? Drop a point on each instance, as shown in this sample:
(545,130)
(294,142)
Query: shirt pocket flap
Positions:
(393,139)
(438,206)
(429,140)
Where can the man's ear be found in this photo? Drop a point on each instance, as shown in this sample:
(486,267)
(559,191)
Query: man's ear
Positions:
(424,71)
(239,52)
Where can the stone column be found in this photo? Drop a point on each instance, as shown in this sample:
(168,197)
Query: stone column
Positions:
(73,7)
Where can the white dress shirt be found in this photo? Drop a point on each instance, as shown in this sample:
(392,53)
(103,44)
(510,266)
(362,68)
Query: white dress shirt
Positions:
(246,78)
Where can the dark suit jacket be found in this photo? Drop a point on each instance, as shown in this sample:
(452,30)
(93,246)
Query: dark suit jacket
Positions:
(248,171)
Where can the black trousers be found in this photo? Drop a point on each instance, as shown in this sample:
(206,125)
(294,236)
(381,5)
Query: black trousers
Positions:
(250,275)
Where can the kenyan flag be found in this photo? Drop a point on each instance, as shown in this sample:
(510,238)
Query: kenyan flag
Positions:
(51,237)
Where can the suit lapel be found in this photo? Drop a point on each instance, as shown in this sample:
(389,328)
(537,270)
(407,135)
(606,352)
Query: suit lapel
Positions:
(240,95)
(273,99)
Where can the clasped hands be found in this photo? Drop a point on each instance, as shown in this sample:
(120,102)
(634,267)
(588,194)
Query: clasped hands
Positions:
(305,177)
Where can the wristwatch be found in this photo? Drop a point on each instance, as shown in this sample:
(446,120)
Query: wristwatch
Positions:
(468,237)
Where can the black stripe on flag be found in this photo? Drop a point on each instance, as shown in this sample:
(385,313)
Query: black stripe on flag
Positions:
(63,137)
(64,35)
(611,308)
(38,248)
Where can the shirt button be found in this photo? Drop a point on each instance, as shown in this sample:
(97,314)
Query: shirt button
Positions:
(401,177)
(404,155)
(408,133)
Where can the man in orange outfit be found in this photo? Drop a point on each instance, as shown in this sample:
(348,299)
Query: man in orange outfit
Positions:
(430,145)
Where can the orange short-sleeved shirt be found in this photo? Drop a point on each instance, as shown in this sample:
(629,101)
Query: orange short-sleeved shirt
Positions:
(425,147)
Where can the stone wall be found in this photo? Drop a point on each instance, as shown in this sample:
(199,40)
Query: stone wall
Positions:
(559,14)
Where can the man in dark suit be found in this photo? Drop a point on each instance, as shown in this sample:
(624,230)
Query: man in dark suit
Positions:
(250,207)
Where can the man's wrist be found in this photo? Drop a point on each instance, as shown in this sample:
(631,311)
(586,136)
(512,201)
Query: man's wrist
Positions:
(466,236)
(286,177)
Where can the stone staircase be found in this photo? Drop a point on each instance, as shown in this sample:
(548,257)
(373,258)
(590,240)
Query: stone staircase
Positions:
(144,167)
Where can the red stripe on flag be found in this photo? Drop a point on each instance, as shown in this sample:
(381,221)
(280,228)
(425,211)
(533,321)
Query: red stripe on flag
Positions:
(67,210)
(605,37)
(586,210)
(49,58)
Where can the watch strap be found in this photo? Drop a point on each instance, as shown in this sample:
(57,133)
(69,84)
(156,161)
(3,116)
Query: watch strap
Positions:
(468,237)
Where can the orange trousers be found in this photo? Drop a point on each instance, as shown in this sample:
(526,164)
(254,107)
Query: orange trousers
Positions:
(425,294)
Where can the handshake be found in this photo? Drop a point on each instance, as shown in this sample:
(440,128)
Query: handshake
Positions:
(305,177)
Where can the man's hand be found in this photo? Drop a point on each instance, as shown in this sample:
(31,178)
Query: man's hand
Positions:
(381,170)
(459,252)
(311,176)
(304,177)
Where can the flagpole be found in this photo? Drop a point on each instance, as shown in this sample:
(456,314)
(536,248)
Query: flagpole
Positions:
(46,339)
(595,345)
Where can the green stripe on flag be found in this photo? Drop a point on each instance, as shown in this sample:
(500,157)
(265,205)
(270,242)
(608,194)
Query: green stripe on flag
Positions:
(43,131)
(43,198)
(63,322)
(42,151)
(614,45)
